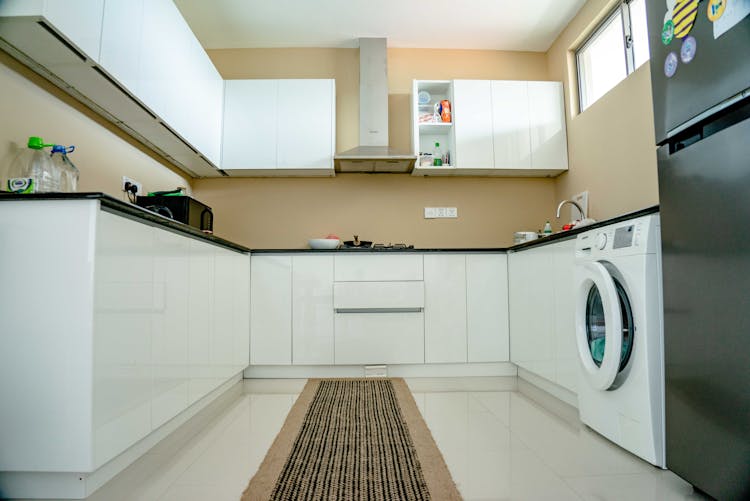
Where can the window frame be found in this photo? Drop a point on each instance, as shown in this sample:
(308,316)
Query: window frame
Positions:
(622,8)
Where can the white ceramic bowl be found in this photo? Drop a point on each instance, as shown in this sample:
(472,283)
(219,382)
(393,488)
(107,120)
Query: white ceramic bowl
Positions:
(323,243)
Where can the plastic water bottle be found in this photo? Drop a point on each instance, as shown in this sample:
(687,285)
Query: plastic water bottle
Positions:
(438,155)
(32,170)
(65,168)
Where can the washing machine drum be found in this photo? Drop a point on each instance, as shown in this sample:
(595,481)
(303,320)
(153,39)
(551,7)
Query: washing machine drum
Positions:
(604,325)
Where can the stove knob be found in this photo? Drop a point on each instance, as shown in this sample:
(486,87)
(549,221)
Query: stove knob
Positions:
(601,241)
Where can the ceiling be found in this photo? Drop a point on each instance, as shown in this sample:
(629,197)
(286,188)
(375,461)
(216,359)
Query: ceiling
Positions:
(525,25)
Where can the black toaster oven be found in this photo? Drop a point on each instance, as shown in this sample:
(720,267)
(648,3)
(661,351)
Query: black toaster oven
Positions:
(180,208)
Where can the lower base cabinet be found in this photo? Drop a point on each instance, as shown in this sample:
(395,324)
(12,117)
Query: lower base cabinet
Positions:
(137,325)
(542,301)
(379,308)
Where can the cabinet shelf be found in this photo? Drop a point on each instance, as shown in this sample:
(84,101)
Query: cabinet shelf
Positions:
(435,128)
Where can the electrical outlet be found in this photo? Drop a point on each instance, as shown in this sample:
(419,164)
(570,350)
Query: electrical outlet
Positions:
(126,180)
(581,199)
(430,212)
(451,212)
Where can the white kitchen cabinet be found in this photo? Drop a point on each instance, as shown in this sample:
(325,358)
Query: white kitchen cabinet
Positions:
(170,327)
(124,343)
(510,124)
(370,267)
(532,310)
(445,308)
(566,351)
(149,48)
(312,307)
(306,124)
(279,127)
(379,338)
(542,306)
(473,124)
(79,20)
(241,297)
(200,319)
(271,310)
(487,307)
(125,305)
(549,147)
(250,124)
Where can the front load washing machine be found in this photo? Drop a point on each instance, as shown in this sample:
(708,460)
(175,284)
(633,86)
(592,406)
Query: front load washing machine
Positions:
(619,335)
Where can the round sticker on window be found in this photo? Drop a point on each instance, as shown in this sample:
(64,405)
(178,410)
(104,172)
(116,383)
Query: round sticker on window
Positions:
(670,65)
(716,9)
(687,51)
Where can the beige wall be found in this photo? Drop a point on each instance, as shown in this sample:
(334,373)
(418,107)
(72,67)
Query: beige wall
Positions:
(31,106)
(284,213)
(611,145)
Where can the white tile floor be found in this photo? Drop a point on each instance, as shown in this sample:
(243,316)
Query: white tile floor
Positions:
(498,444)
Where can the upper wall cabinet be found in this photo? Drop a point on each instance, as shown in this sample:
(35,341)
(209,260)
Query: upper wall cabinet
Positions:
(502,128)
(279,127)
(135,62)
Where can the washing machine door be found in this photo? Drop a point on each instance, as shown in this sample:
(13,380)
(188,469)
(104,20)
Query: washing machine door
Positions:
(598,325)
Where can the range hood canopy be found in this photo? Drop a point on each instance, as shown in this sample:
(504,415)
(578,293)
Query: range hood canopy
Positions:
(373,153)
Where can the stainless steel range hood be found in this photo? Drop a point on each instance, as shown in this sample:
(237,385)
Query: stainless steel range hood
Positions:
(373,153)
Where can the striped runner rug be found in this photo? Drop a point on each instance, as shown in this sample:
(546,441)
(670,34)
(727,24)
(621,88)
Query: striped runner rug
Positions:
(353,440)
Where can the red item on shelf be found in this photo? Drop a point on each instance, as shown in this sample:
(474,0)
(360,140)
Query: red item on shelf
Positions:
(445,110)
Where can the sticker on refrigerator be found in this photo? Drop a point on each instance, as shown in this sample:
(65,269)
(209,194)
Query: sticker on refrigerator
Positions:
(716,9)
(683,17)
(667,32)
(670,65)
(734,12)
(687,51)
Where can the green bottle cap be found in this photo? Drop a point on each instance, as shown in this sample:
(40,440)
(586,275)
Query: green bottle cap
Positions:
(437,145)
(37,143)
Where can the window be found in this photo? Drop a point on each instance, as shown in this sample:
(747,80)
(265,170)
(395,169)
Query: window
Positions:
(613,51)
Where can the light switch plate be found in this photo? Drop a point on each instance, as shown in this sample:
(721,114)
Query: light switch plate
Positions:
(440,212)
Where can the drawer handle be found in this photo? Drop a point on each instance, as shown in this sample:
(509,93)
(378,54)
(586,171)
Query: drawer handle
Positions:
(378,310)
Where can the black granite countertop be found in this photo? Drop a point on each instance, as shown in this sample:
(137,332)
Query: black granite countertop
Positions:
(116,206)
(565,235)
(113,205)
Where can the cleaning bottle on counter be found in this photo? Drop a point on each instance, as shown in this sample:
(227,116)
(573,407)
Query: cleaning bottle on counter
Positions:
(547,229)
(65,168)
(32,170)
(438,155)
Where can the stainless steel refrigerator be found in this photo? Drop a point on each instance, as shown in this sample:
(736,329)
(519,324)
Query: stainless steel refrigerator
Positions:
(700,73)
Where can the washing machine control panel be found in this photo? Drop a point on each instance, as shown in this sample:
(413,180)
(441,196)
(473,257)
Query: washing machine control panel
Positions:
(629,237)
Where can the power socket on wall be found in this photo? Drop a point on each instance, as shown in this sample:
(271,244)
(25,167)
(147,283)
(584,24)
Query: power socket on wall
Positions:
(581,199)
(440,212)
(128,183)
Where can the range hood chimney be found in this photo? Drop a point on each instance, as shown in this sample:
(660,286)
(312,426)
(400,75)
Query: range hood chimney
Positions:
(373,153)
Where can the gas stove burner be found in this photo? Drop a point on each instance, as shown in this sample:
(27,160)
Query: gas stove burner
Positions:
(392,246)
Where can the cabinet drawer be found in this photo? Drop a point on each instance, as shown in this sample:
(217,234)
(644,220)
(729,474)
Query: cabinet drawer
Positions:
(374,268)
(379,338)
(378,295)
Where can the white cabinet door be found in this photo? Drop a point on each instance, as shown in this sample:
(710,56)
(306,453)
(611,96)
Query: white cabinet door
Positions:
(306,133)
(121,39)
(222,339)
(371,267)
(79,20)
(241,324)
(250,124)
(312,304)
(532,310)
(510,124)
(473,123)
(566,352)
(379,338)
(200,319)
(271,310)
(487,307)
(549,148)
(123,311)
(169,344)
(445,308)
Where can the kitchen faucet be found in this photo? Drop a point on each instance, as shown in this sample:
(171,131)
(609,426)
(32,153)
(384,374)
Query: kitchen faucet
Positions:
(583,214)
